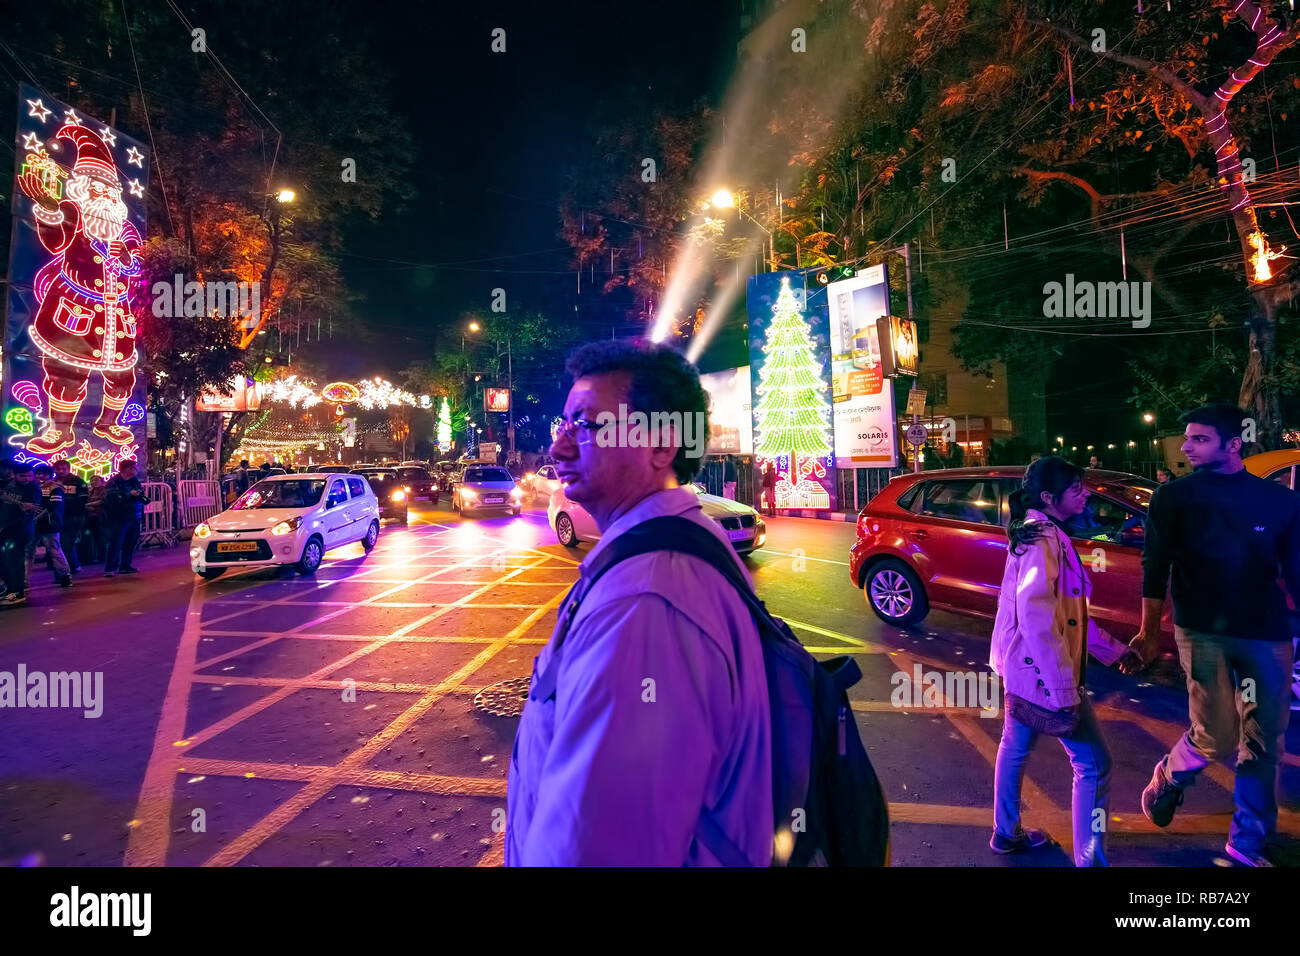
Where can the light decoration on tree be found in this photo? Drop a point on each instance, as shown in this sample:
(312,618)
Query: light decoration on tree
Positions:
(292,392)
(379,393)
(444,426)
(793,413)
(1262,255)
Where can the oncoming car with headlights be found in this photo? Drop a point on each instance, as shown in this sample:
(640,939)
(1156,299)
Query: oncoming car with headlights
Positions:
(287,520)
(392,493)
(486,488)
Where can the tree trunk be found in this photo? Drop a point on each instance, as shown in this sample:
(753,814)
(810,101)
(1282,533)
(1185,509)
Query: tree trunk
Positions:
(1260,397)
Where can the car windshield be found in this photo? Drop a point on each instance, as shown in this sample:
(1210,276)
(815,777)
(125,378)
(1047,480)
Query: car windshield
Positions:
(487,474)
(379,477)
(409,473)
(281,494)
(1133,491)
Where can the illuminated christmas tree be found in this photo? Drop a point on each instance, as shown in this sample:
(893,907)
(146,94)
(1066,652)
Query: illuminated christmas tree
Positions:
(793,411)
(444,425)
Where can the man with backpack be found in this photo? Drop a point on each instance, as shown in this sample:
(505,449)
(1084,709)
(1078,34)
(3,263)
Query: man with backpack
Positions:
(650,737)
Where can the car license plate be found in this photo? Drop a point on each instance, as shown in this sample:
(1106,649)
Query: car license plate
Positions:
(226,546)
(743,534)
(494,499)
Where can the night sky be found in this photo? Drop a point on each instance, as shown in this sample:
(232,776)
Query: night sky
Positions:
(496,134)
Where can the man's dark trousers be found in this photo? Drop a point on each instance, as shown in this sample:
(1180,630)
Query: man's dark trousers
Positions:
(122,539)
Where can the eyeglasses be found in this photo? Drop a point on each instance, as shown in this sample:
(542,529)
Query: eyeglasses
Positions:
(579,429)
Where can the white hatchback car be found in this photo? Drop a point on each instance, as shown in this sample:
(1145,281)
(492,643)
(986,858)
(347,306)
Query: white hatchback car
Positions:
(744,526)
(290,519)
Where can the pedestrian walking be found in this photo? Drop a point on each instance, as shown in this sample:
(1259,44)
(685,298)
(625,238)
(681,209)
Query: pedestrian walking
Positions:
(729,478)
(124,508)
(20,499)
(49,525)
(1222,534)
(75,497)
(768,483)
(1042,636)
(647,721)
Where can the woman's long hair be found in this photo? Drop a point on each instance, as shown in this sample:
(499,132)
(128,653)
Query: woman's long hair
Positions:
(1052,474)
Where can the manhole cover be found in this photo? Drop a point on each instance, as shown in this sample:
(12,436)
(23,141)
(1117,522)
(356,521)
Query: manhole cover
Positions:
(504,699)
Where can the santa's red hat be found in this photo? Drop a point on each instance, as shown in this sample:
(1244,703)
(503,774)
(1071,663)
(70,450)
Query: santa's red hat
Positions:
(93,157)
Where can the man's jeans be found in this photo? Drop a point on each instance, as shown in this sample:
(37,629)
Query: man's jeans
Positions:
(122,539)
(53,550)
(1238,698)
(1091,793)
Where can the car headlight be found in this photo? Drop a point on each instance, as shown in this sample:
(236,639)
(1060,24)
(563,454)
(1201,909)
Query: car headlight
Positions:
(515,492)
(406,488)
(287,527)
(398,495)
(468,493)
(202,530)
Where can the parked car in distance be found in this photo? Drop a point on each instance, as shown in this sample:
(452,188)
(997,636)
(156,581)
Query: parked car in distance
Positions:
(1279,466)
(545,482)
(742,525)
(290,520)
(390,491)
(486,488)
(937,539)
(331,469)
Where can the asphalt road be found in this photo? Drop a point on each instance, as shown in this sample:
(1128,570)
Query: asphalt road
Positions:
(269,719)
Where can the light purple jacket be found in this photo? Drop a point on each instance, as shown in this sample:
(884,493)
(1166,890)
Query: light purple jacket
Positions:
(1043,627)
(660,713)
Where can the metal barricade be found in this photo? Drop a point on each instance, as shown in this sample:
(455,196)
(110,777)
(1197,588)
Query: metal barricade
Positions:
(159,522)
(196,501)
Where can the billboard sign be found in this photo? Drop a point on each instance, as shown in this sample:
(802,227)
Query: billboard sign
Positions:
(863,395)
(731,421)
(71,384)
(790,356)
(240,395)
(898,338)
(496,400)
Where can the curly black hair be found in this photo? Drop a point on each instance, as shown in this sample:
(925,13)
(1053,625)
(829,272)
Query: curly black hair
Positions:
(662,381)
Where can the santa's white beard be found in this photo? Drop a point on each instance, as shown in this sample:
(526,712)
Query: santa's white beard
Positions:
(103,218)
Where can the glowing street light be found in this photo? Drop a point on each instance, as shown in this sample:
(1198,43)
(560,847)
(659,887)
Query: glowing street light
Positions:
(286,196)
(1148,418)
(723,199)
(474,326)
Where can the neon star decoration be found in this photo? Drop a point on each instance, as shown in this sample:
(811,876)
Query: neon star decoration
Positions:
(31,143)
(38,110)
(793,414)
(136,189)
(71,117)
(135,157)
(108,136)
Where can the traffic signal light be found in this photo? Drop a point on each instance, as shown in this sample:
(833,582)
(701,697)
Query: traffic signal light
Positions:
(835,274)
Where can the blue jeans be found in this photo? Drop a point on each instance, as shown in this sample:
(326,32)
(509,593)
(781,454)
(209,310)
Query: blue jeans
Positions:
(1090,803)
(122,539)
(1217,668)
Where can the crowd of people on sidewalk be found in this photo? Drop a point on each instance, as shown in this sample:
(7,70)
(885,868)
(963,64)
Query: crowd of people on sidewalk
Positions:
(50,516)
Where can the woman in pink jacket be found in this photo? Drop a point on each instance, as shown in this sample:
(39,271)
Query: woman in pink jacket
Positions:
(1041,639)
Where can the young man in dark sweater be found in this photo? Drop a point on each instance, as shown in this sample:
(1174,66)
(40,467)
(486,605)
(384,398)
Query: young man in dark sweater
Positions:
(1226,535)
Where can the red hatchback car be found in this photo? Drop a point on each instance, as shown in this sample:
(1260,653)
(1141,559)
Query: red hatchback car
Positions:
(938,539)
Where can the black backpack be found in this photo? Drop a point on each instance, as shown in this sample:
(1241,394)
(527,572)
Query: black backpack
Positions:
(828,804)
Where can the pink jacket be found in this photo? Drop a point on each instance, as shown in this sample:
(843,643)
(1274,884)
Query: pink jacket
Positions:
(1042,624)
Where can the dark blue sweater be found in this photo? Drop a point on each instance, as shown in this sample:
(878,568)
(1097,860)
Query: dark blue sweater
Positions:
(1227,539)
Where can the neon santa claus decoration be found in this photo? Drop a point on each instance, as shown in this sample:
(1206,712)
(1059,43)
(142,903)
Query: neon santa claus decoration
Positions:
(86,290)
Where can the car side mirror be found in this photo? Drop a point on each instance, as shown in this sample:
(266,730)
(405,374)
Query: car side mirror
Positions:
(1133,537)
